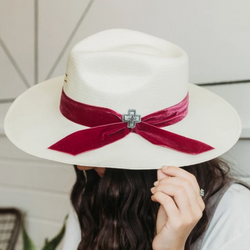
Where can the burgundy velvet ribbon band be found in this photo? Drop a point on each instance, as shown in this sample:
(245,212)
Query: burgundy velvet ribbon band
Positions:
(106,126)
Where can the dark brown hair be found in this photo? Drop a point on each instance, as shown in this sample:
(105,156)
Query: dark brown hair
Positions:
(115,212)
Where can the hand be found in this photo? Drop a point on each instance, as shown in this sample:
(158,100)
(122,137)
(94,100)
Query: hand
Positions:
(181,208)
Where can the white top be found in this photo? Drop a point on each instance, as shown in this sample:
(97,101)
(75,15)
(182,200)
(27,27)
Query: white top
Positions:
(228,230)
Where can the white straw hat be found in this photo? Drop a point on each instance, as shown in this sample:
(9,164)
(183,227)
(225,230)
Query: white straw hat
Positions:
(107,74)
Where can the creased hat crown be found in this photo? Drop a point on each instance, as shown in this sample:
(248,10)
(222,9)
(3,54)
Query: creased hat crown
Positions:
(121,69)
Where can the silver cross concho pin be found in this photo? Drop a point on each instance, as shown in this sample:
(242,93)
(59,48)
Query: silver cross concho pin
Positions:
(131,118)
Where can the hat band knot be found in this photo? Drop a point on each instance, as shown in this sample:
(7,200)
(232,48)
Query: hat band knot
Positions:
(107,126)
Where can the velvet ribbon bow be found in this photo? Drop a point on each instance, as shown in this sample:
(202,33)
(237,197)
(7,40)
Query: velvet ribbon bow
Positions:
(106,126)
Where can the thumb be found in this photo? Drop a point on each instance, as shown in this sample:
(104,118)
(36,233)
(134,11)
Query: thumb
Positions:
(161,175)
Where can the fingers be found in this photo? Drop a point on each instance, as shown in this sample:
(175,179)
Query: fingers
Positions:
(179,172)
(187,186)
(168,205)
(161,175)
(177,214)
(182,187)
(180,197)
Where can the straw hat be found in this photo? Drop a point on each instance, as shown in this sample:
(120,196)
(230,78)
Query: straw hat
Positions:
(124,102)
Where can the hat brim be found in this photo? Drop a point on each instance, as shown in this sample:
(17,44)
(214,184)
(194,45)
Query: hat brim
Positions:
(34,122)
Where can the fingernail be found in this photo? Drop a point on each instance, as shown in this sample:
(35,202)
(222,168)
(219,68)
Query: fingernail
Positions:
(156,183)
(152,189)
(165,167)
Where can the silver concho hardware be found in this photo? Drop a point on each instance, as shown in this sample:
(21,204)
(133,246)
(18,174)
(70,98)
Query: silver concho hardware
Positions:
(131,118)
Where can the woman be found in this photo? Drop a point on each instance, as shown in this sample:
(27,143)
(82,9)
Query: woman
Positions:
(192,228)
(126,109)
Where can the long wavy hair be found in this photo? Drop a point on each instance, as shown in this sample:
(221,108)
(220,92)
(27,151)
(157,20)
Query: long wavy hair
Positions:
(116,212)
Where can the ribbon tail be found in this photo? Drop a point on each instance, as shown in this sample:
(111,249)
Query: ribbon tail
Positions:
(91,138)
(171,140)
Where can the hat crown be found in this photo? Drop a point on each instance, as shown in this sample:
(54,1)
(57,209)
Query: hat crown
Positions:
(122,69)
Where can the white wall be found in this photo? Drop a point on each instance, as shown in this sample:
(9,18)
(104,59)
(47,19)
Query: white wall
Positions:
(36,37)
(39,188)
